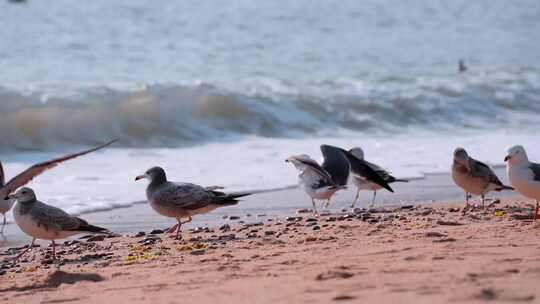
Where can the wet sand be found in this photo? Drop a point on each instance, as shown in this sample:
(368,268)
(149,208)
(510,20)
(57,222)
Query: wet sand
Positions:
(431,253)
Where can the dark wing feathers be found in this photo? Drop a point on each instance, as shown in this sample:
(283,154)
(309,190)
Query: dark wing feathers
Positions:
(480,169)
(535,168)
(182,195)
(27,175)
(84,226)
(52,217)
(383,173)
(225,199)
(361,168)
(191,196)
(2,177)
(336,164)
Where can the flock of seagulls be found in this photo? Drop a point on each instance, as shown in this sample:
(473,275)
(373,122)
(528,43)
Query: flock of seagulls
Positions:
(474,177)
(182,201)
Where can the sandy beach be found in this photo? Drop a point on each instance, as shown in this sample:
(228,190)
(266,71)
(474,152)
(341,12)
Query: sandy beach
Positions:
(408,248)
(235,117)
(428,253)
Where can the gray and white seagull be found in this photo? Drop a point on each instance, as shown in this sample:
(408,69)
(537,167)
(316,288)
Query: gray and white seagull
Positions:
(27,175)
(369,176)
(183,200)
(474,176)
(524,175)
(320,182)
(45,222)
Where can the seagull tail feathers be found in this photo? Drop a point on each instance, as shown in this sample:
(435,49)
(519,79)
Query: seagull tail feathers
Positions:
(399,180)
(96,229)
(85,227)
(504,187)
(227,199)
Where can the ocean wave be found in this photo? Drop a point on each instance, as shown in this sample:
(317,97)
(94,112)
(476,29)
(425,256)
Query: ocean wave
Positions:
(176,115)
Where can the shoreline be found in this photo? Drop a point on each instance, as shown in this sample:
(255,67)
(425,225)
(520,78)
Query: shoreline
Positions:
(428,253)
(278,204)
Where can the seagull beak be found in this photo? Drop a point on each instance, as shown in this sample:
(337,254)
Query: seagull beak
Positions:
(141,177)
(507,158)
(10,197)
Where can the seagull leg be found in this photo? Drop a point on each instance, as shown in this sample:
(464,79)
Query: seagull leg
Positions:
(182,223)
(53,250)
(466,208)
(536,213)
(24,251)
(483,201)
(178,236)
(326,204)
(189,220)
(179,225)
(3,224)
(373,200)
(314,207)
(355,198)
(172,229)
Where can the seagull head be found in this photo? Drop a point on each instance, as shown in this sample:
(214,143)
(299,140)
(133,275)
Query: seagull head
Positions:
(154,174)
(516,155)
(300,160)
(24,195)
(461,156)
(357,152)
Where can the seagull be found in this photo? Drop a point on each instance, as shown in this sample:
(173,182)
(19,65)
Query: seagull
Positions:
(42,221)
(183,200)
(474,176)
(28,174)
(369,176)
(322,181)
(523,174)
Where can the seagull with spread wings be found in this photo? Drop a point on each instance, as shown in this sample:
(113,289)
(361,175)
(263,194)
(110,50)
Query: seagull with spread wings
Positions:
(368,176)
(523,174)
(27,175)
(474,176)
(320,182)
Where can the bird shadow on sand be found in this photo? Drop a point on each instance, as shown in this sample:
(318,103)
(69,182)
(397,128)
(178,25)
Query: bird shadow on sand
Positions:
(58,278)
